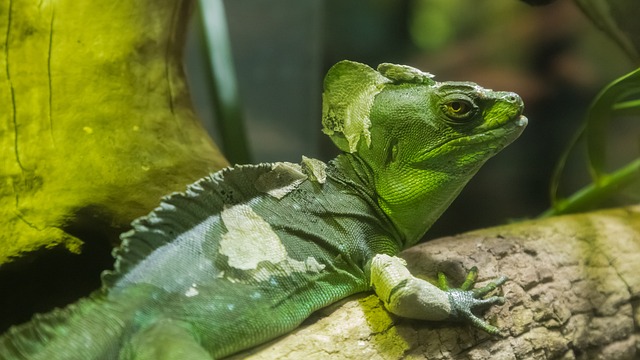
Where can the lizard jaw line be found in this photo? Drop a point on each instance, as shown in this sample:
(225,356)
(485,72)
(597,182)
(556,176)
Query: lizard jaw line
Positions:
(510,132)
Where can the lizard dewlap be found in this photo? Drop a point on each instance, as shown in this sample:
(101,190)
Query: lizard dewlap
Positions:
(246,254)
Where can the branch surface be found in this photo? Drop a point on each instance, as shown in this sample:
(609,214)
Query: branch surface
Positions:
(573,294)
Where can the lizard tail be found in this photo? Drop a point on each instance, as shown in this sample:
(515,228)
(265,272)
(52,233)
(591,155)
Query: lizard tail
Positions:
(89,329)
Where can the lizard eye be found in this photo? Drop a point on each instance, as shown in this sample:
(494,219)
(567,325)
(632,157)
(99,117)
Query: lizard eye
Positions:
(458,110)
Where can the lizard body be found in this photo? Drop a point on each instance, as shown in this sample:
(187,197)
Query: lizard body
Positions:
(247,253)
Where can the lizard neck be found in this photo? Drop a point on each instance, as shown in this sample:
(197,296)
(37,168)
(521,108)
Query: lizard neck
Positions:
(415,198)
(407,199)
(357,175)
(353,171)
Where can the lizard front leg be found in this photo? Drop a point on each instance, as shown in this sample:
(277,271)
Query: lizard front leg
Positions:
(405,295)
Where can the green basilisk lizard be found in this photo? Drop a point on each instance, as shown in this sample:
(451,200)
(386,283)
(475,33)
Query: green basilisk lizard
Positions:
(247,253)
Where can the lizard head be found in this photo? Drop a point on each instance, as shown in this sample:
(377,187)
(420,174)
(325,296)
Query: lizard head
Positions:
(422,140)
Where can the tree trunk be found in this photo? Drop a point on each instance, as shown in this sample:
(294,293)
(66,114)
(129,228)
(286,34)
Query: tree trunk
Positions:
(573,293)
(96,125)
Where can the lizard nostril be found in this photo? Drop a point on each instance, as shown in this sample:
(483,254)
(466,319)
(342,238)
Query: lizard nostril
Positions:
(512,98)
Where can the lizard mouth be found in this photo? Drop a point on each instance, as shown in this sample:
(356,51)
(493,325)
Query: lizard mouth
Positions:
(502,135)
(496,139)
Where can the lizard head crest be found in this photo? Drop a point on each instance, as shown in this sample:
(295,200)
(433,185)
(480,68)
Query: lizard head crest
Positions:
(349,92)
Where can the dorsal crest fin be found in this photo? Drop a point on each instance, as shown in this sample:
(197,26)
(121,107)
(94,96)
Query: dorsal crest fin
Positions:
(180,212)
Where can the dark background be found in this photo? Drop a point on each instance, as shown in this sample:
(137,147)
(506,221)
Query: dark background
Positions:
(553,56)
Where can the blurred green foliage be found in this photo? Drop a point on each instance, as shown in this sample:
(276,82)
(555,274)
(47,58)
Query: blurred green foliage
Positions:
(622,96)
(619,99)
(434,23)
(210,15)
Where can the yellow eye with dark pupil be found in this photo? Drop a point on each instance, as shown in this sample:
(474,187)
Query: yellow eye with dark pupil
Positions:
(458,110)
(458,107)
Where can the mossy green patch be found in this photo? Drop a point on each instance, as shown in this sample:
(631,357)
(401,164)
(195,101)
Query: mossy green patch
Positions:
(96,114)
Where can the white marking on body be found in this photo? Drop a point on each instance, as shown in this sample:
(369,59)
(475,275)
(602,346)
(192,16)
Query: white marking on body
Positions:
(192,291)
(250,241)
(283,178)
(315,169)
(313,265)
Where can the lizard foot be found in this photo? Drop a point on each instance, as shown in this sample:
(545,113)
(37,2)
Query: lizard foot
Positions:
(465,299)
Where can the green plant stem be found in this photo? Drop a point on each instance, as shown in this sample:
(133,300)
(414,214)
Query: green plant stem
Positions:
(595,193)
(223,77)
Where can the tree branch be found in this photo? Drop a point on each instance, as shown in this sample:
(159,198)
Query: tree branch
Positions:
(574,293)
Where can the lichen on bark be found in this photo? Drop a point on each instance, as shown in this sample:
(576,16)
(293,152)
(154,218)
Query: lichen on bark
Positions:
(96,125)
(96,118)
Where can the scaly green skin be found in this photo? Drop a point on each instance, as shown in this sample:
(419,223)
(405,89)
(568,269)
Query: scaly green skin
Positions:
(247,253)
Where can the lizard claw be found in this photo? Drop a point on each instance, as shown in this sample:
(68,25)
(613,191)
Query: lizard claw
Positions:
(465,299)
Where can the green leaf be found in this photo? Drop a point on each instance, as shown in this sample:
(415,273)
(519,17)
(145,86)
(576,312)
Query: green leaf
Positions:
(620,97)
(601,113)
